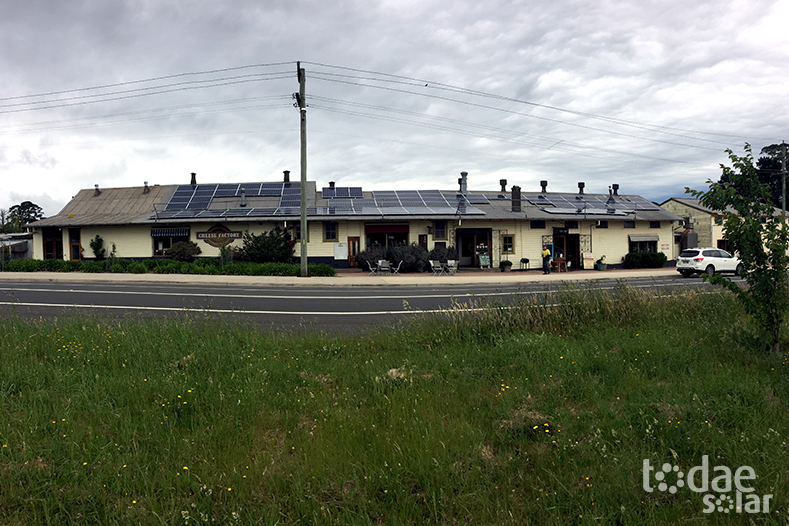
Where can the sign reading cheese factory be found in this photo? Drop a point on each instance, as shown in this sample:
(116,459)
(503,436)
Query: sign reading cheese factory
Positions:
(218,236)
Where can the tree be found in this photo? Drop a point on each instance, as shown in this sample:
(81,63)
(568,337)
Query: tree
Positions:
(3,219)
(97,246)
(24,213)
(762,247)
(273,246)
(184,251)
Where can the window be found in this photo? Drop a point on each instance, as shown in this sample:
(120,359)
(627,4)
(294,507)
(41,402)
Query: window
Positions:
(630,224)
(718,220)
(643,246)
(162,244)
(507,244)
(654,224)
(570,224)
(537,225)
(440,245)
(440,230)
(602,224)
(329,231)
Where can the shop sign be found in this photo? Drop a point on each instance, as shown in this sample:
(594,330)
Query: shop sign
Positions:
(218,236)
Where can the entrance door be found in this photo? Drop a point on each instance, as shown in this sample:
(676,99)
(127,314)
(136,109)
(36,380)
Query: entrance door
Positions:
(353,251)
(75,249)
(566,250)
(53,243)
(471,243)
(423,241)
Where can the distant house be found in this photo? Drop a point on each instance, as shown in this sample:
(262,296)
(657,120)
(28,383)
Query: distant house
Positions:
(16,246)
(707,223)
(486,227)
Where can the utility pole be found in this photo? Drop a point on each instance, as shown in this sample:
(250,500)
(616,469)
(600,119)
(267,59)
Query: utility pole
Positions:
(301,101)
(783,183)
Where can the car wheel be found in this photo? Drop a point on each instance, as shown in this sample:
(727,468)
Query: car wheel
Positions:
(710,270)
(738,270)
(686,273)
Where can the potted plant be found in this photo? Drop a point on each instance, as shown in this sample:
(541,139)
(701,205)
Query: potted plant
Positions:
(600,263)
(505,266)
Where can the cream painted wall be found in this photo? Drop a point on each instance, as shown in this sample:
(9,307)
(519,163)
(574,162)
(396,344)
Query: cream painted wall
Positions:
(702,221)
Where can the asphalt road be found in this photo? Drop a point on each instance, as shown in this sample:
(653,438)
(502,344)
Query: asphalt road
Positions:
(329,309)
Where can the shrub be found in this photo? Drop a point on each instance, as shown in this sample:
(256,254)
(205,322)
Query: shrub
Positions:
(54,265)
(413,256)
(135,267)
(645,260)
(92,267)
(97,246)
(440,253)
(273,246)
(321,270)
(371,256)
(183,251)
(24,265)
(207,262)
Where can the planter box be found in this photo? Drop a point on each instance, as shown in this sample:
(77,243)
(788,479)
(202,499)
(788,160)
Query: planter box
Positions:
(601,266)
(506,268)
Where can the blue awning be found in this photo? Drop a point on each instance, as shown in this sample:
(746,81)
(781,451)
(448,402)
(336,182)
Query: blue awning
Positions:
(170,232)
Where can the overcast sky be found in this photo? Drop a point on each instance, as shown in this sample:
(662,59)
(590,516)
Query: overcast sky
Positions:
(402,94)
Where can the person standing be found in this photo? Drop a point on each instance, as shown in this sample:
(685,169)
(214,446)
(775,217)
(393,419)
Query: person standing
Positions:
(546,260)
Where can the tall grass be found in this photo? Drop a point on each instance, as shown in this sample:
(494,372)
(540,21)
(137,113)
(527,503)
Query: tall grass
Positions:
(538,413)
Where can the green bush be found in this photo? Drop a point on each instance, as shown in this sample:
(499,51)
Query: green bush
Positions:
(168,267)
(645,260)
(24,265)
(443,254)
(183,251)
(92,267)
(135,267)
(413,256)
(321,270)
(274,246)
(371,256)
(54,265)
(97,246)
(206,262)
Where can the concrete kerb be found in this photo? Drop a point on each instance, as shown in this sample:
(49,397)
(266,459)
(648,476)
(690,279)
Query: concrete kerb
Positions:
(343,279)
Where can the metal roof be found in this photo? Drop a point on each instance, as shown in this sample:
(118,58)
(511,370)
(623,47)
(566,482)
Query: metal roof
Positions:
(244,202)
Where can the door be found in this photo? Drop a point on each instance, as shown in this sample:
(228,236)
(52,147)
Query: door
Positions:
(353,251)
(423,241)
(75,249)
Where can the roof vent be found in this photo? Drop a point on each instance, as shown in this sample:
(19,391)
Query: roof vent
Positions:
(331,184)
(146,188)
(463,182)
(287,175)
(243,197)
(615,188)
(96,191)
(194,179)
(581,187)
(544,185)
(503,183)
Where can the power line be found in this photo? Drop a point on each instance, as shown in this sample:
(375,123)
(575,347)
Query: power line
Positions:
(512,112)
(152,79)
(449,87)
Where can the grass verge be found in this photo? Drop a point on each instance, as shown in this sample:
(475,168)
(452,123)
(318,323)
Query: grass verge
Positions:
(538,414)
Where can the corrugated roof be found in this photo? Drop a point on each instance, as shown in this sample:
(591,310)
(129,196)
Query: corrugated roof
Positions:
(696,204)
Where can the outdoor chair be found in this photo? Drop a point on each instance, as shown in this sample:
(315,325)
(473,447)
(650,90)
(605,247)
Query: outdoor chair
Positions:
(373,271)
(396,270)
(452,267)
(524,263)
(436,267)
(384,267)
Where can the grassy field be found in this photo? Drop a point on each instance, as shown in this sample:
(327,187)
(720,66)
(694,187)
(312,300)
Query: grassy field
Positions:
(538,414)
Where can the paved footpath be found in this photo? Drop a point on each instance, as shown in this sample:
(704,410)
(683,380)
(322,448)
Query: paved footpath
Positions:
(349,278)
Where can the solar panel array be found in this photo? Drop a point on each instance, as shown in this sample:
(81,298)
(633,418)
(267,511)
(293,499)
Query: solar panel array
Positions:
(551,203)
(342,191)
(193,201)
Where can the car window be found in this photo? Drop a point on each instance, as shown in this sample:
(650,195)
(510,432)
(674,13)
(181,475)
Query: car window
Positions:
(689,253)
(710,253)
(724,254)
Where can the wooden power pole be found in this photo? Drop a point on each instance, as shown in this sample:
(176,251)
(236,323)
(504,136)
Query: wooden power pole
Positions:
(302,104)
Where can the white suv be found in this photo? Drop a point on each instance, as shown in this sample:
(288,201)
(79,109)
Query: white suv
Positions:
(707,260)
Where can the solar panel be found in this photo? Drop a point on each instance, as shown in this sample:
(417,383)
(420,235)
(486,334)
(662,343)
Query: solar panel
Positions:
(187,213)
(477,199)
(343,191)
(237,212)
(216,212)
(263,211)
(328,192)
(356,191)
(290,202)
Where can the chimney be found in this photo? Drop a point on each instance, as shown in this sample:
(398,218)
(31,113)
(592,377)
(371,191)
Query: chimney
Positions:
(581,188)
(544,185)
(615,187)
(287,175)
(503,183)
(96,191)
(194,179)
(145,189)
(516,198)
(243,197)
(463,182)
(331,184)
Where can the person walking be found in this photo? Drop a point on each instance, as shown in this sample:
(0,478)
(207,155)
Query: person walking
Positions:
(546,260)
